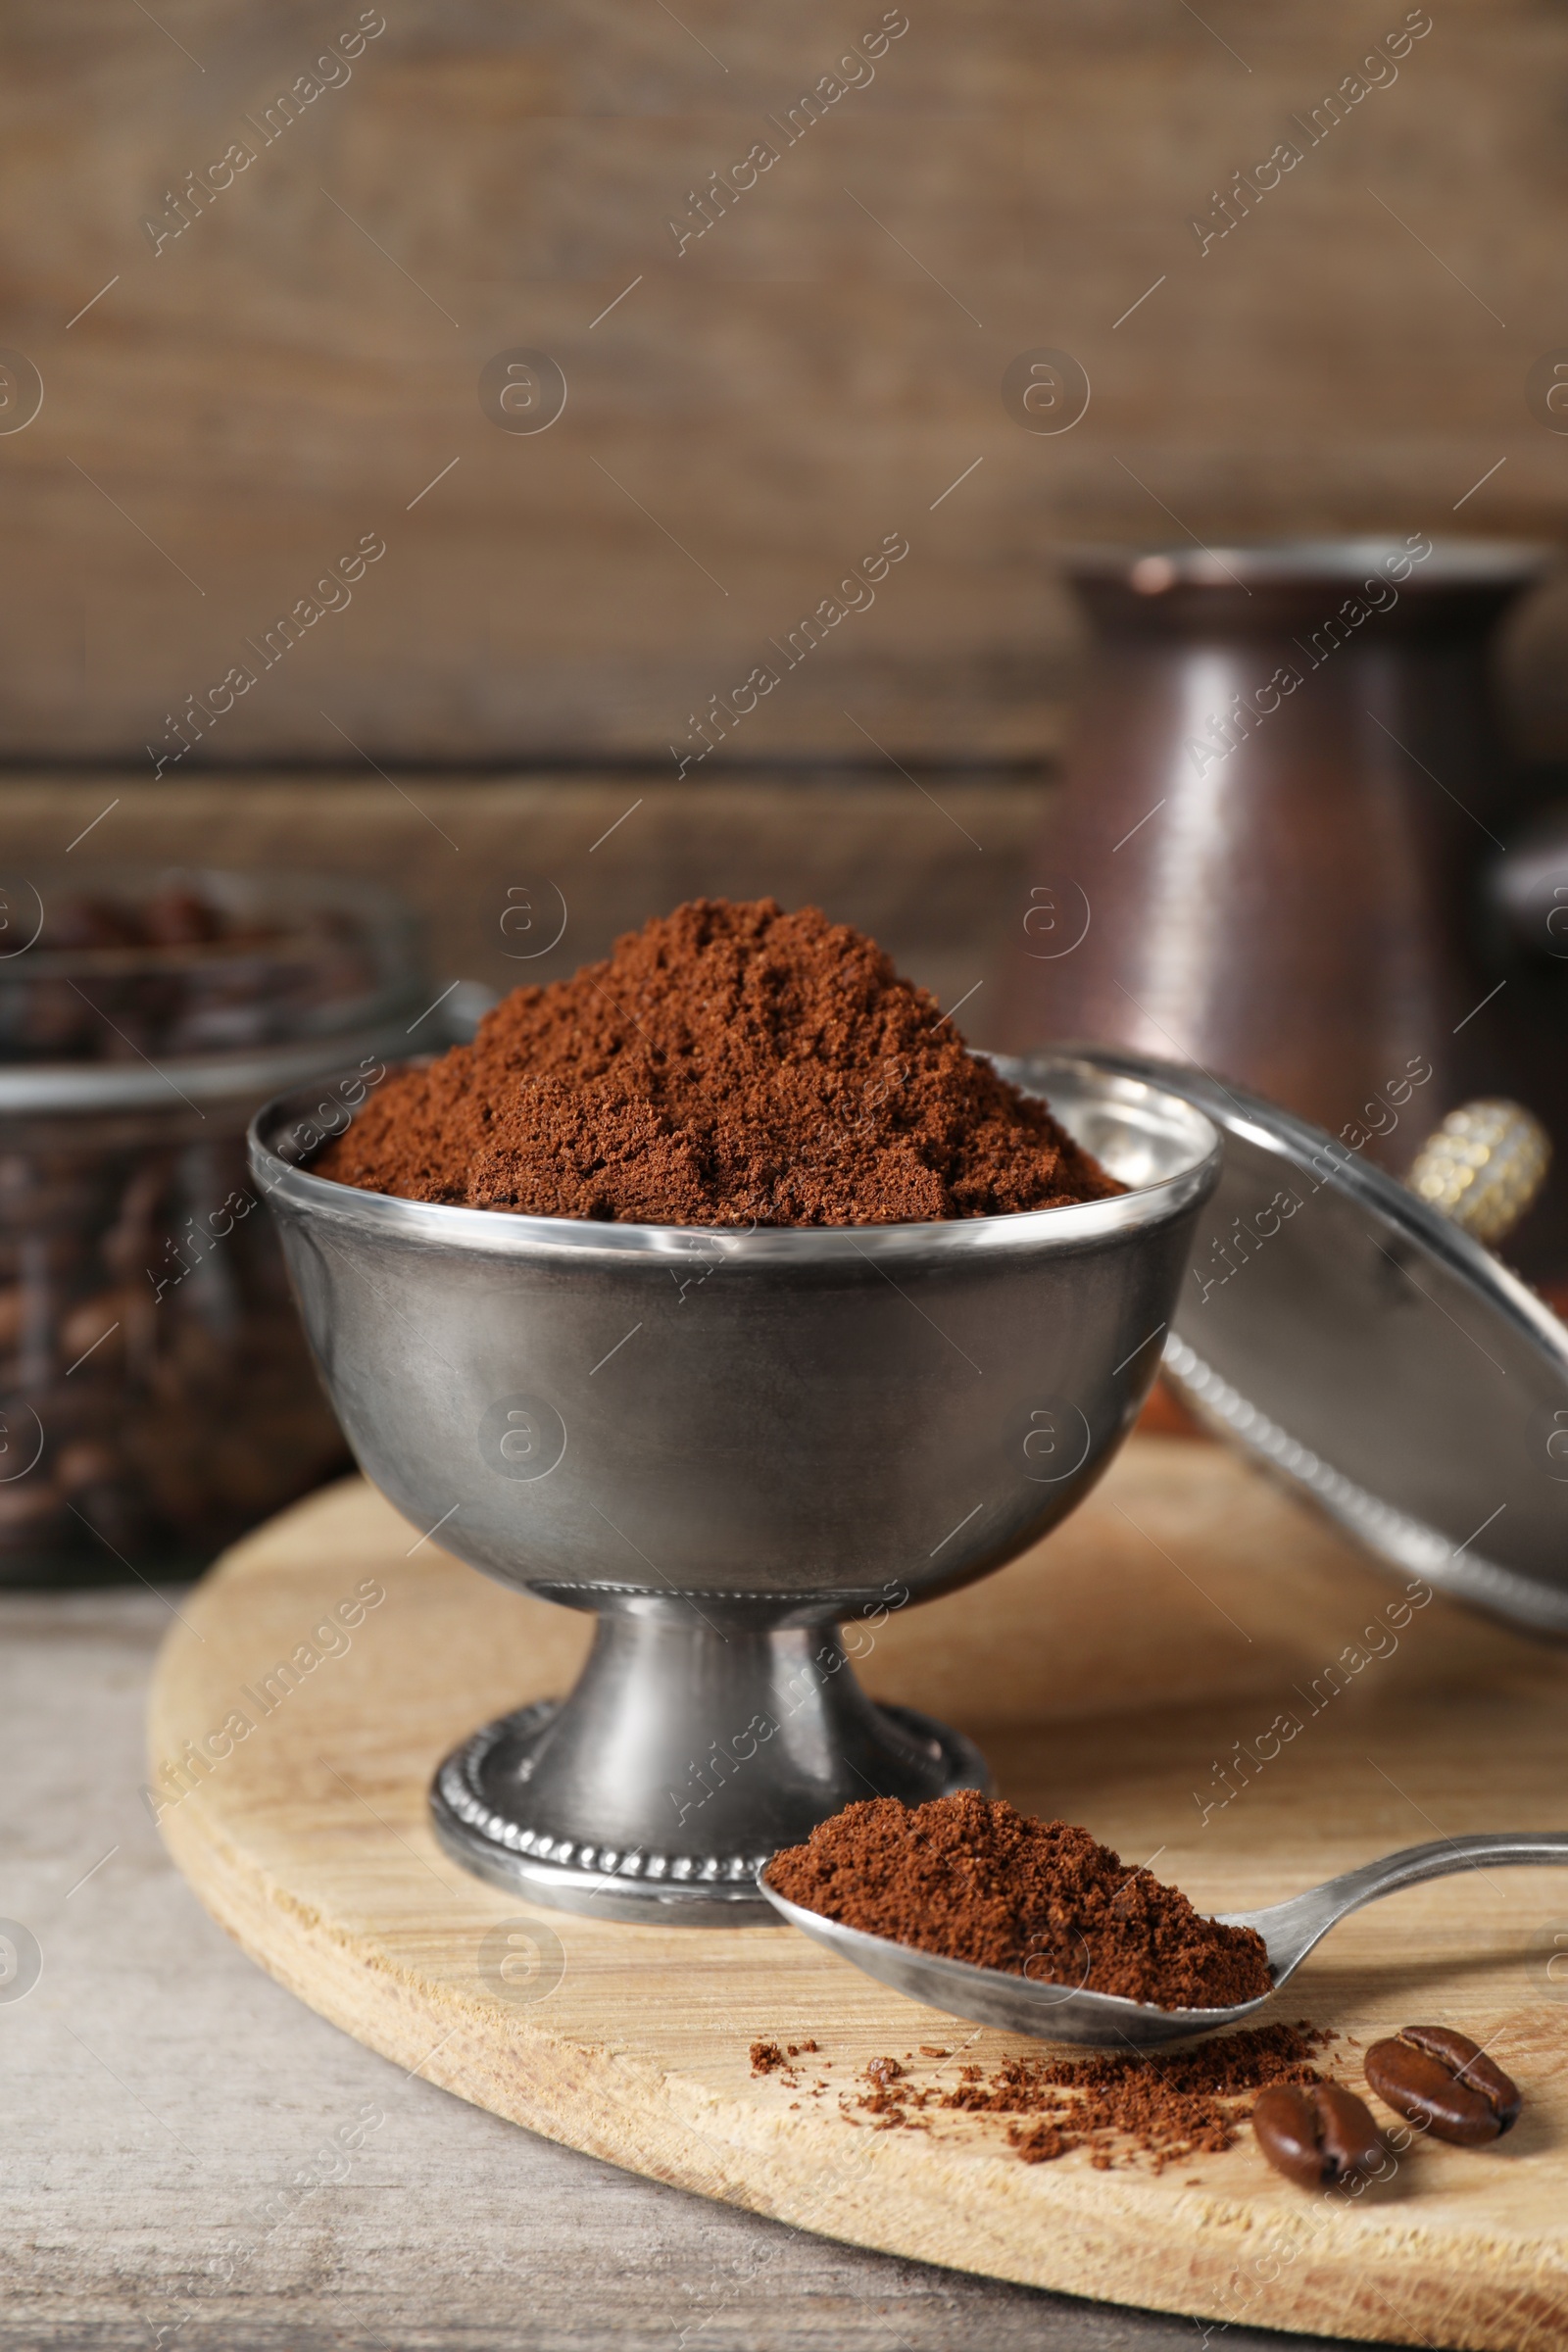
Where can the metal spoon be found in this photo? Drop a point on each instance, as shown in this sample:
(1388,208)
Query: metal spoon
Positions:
(992,1997)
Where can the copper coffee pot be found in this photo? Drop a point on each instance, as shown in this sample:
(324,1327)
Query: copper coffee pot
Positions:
(1284,777)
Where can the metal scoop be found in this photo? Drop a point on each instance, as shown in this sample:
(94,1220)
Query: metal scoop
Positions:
(1055,2012)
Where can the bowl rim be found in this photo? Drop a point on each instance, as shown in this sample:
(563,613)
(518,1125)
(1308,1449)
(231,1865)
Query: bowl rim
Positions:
(507,1233)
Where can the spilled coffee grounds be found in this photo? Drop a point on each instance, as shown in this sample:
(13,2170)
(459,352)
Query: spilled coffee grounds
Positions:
(774,2058)
(977,1880)
(1179,2104)
(727,1063)
(1167,2107)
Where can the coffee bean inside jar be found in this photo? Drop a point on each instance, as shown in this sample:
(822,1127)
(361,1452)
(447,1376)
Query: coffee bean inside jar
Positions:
(157,1396)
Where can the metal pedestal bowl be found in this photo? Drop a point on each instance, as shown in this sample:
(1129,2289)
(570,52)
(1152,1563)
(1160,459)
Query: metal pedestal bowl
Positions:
(729,1445)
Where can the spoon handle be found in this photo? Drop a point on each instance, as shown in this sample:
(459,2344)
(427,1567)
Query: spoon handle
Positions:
(1291,1929)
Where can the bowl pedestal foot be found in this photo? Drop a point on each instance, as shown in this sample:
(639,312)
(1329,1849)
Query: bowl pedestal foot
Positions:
(703,1733)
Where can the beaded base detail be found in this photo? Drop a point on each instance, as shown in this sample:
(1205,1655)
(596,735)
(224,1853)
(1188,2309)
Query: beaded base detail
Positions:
(459,1786)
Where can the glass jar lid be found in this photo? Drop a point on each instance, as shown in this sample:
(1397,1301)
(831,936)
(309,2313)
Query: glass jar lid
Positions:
(120,989)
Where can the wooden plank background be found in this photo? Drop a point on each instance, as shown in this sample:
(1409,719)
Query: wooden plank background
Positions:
(761,406)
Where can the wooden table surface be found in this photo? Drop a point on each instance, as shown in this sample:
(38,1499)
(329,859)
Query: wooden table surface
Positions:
(168,2112)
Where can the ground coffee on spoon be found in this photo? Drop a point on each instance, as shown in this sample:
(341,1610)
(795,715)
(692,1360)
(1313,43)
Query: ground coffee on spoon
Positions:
(978,1880)
(727,1063)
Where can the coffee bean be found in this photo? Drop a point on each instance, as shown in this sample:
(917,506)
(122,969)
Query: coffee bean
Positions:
(50,1206)
(98,1325)
(179,919)
(1317,2134)
(84,1463)
(27,1505)
(1446,2083)
(84,923)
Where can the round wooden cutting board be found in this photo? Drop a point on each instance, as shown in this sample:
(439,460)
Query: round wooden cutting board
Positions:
(1128,1675)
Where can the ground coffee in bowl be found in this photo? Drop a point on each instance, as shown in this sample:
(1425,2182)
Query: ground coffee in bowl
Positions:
(727,1063)
(975,1880)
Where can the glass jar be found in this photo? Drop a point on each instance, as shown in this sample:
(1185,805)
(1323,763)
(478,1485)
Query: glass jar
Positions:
(156,1397)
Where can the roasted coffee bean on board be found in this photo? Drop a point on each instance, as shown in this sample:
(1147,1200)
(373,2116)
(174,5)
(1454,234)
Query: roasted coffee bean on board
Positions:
(1315,2134)
(1446,2083)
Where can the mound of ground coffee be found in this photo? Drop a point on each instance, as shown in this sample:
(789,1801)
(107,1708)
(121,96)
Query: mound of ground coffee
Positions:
(977,1880)
(728,1064)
